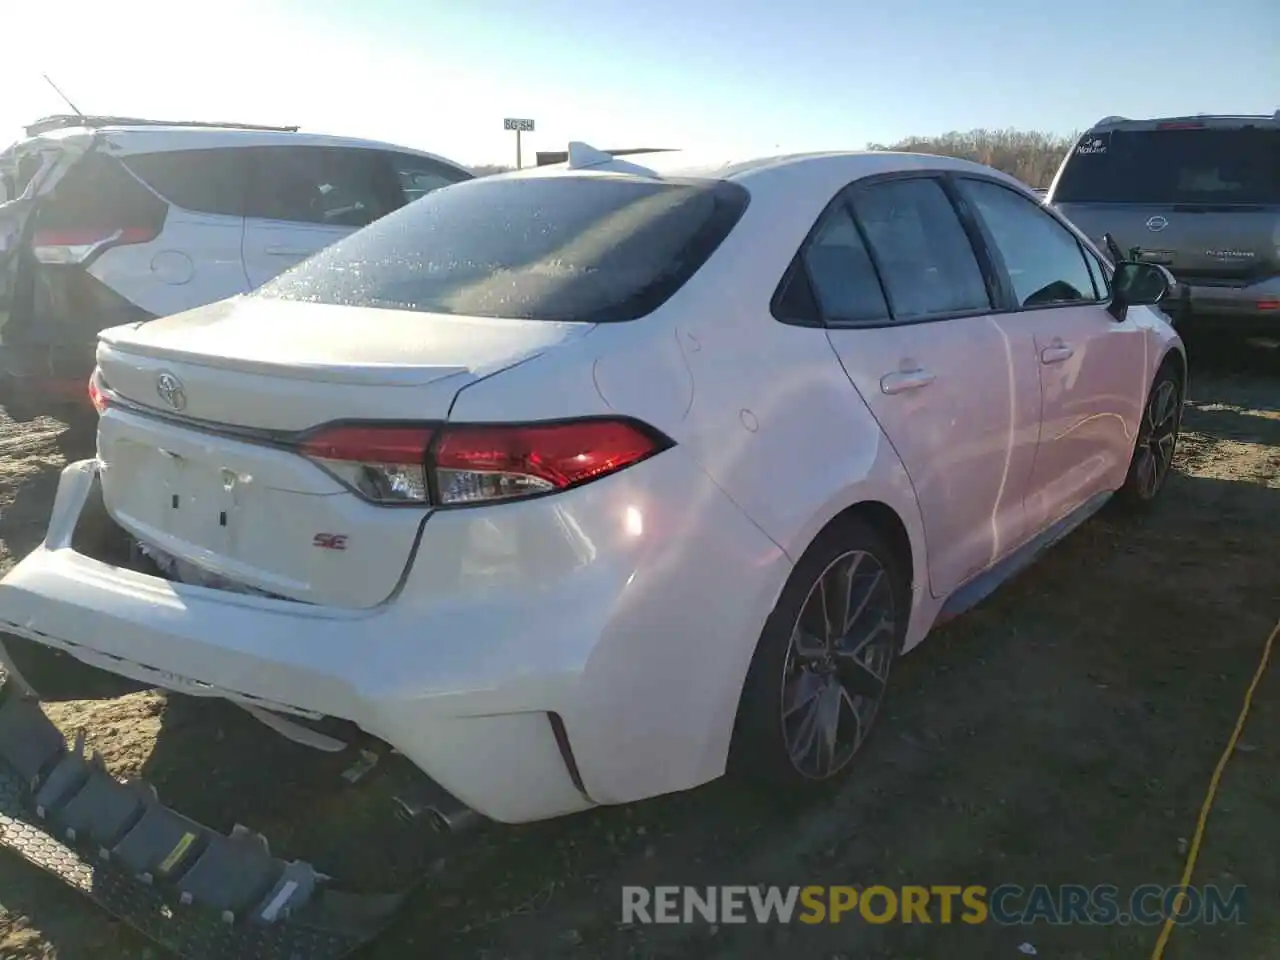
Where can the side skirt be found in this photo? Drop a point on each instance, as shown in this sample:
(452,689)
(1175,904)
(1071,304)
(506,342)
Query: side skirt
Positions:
(986,583)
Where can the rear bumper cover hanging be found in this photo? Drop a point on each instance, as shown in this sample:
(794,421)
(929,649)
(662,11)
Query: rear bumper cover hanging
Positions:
(197,892)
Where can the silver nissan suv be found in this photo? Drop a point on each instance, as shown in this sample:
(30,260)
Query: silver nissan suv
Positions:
(1199,195)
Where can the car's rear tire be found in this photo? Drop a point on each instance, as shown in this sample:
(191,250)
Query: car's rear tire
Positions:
(821,667)
(1157,441)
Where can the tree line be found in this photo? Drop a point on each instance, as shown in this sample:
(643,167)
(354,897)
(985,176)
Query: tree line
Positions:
(1031,156)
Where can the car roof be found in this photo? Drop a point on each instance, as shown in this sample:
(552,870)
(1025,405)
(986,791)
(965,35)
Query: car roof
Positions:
(1215,121)
(824,170)
(128,139)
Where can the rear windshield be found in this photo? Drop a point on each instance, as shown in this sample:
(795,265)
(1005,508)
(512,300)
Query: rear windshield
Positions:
(1173,166)
(584,248)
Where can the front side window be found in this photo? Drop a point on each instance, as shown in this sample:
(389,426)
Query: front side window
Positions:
(1044,260)
(924,255)
(418,176)
(1100,274)
(333,186)
(573,248)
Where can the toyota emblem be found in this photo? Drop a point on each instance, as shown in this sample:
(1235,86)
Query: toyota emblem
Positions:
(170,389)
(1156,224)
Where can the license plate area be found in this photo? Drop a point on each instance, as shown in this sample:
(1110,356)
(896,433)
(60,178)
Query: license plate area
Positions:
(253,514)
(182,498)
(209,506)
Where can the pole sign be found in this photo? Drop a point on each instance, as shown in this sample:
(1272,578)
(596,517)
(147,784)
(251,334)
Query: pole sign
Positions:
(520,126)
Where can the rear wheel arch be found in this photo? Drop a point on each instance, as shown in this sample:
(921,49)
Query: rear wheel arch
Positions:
(867,525)
(886,522)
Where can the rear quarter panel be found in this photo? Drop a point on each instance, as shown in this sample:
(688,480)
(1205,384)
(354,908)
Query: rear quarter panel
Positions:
(770,414)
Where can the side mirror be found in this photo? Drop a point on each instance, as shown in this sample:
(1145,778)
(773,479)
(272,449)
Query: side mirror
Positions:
(1137,283)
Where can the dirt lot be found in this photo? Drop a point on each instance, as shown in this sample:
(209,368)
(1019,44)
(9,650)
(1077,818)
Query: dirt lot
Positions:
(1063,732)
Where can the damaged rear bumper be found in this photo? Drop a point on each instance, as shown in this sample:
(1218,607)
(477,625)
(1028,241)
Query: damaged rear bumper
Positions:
(538,658)
(472,731)
(200,893)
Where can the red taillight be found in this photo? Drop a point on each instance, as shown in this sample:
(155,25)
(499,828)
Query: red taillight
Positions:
(97,396)
(75,245)
(373,444)
(1269,304)
(1180,125)
(476,464)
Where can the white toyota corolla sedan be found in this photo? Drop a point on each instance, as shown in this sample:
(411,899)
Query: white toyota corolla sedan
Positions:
(588,483)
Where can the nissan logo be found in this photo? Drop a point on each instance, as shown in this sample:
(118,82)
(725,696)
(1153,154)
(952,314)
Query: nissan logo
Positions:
(170,390)
(1156,224)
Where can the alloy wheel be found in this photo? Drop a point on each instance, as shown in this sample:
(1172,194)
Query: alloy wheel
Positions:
(1157,439)
(837,666)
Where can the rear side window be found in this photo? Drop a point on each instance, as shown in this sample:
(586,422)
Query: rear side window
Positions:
(204,181)
(925,258)
(98,193)
(418,176)
(333,186)
(841,274)
(1208,166)
(574,248)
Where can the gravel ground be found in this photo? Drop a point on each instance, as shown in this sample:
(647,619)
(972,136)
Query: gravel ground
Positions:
(1063,732)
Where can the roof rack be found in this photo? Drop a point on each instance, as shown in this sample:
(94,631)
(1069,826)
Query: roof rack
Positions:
(1112,121)
(64,121)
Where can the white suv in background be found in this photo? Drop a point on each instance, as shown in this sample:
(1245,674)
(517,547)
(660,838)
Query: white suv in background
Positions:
(105,221)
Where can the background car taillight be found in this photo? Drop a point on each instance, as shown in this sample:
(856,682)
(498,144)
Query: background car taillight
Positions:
(468,464)
(76,245)
(97,395)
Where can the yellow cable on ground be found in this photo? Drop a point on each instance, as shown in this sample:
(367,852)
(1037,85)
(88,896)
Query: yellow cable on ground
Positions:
(1194,850)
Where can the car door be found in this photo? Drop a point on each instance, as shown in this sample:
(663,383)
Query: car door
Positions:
(304,198)
(1091,366)
(908,307)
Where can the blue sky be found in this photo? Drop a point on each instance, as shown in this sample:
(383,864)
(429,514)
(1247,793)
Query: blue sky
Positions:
(737,75)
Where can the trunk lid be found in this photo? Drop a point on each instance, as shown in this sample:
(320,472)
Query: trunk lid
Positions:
(266,364)
(195,461)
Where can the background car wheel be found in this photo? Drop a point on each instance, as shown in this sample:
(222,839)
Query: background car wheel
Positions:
(821,667)
(1157,440)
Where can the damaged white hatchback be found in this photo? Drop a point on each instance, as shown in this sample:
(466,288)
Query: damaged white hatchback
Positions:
(581,484)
